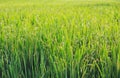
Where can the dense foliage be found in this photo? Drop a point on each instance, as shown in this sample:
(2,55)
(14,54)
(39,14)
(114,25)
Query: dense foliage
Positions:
(70,39)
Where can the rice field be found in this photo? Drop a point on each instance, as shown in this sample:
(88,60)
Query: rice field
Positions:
(60,39)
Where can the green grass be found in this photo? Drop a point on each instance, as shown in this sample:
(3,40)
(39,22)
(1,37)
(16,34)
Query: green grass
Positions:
(60,39)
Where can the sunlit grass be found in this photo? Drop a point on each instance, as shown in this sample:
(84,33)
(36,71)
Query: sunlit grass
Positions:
(60,39)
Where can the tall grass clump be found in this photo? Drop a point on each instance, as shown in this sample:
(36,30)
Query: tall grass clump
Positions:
(64,39)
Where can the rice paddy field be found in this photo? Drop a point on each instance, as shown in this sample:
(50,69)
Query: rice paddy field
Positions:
(60,39)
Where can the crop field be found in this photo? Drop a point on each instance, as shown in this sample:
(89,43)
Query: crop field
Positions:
(60,39)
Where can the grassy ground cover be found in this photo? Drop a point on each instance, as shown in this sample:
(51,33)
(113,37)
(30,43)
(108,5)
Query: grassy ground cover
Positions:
(59,39)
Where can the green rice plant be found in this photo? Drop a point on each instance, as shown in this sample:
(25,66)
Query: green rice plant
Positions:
(59,39)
